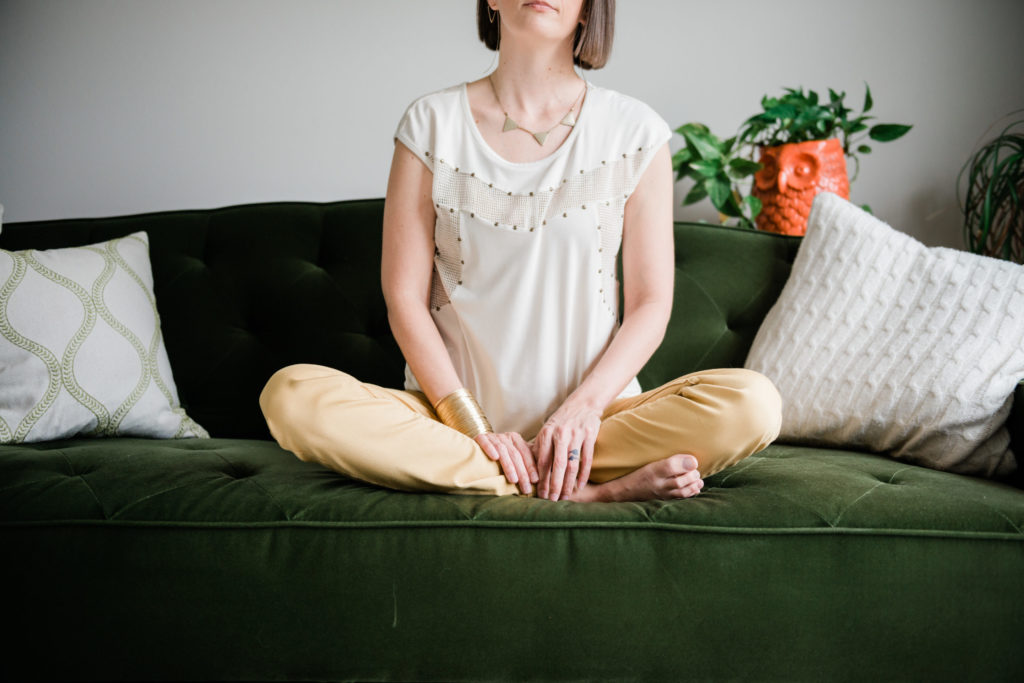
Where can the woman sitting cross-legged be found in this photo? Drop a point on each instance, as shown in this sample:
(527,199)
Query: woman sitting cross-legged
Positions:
(507,205)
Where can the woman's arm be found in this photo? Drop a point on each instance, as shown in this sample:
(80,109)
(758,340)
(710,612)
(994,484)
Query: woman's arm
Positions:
(407,265)
(648,262)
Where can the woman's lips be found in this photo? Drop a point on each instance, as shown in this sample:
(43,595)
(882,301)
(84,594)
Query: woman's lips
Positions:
(541,6)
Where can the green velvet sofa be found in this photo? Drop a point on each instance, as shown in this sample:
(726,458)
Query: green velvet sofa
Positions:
(230,559)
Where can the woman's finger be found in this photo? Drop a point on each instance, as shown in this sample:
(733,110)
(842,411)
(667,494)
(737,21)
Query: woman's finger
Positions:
(516,456)
(527,457)
(505,460)
(586,461)
(485,443)
(544,454)
(559,461)
(527,451)
(572,470)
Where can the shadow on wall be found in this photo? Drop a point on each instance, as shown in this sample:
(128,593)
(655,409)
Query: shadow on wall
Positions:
(935,208)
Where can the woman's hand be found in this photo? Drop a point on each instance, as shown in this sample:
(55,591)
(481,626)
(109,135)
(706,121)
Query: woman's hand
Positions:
(565,450)
(513,454)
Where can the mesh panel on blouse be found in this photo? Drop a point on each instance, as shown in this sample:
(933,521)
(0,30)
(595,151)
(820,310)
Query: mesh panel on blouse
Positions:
(607,187)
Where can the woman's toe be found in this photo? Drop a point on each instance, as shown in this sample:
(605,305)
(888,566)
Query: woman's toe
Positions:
(685,480)
(689,462)
(680,463)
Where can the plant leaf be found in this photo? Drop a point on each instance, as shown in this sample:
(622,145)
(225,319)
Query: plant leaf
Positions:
(704,144)
(887,132)
(868,101)
(783,111)
(706,169)
(697,193)
(731,207)
(721,192)
(682,156)
(864,149)
(754,204)
(743,167)
(694,126)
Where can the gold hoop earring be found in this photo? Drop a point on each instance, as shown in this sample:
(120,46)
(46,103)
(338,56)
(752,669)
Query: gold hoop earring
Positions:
(491,13)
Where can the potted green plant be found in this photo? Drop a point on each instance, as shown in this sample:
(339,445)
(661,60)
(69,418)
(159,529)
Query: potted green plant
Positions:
(718,168)
(991,194)
(802,143)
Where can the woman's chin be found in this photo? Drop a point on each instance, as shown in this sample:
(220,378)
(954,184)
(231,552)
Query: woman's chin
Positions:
(540,28)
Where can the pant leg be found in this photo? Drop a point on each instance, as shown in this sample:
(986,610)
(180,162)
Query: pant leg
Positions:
(719,416)
(388,437)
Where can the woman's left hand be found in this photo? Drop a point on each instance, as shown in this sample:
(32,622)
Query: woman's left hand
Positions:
(564,449)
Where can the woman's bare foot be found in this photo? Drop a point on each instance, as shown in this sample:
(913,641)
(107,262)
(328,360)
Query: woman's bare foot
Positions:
(674,477)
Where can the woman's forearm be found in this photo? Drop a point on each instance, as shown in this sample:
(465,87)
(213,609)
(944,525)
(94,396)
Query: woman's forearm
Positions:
(632,346)
(421,344)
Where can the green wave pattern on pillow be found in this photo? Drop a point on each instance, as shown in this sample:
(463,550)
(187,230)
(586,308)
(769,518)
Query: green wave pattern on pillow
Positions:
(81,350)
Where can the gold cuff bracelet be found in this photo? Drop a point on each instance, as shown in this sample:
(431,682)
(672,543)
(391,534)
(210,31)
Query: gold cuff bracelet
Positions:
(460,411)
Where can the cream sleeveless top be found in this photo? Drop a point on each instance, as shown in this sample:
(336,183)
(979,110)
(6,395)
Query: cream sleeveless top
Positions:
(524,290)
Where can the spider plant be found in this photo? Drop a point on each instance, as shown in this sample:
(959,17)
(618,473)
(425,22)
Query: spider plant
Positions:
(990,188)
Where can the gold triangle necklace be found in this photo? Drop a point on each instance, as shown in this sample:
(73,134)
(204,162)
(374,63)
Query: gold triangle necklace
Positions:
(540,137)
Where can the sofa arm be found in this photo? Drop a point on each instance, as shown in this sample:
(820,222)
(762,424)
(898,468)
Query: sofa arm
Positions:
(1015,425)
(1015,421)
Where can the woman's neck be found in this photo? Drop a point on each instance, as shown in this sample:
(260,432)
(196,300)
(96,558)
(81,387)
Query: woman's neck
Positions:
(535,77)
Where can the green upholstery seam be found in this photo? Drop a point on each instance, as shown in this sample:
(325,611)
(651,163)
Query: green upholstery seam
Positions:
(742,310)
(1001,514)
(262,488)
(530,526)
(706,293)
(856,500)
(71,470)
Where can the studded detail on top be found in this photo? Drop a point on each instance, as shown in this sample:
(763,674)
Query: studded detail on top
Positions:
(510,236)
(603,185)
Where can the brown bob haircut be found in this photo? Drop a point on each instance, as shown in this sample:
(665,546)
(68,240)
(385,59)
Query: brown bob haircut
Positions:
(591,46)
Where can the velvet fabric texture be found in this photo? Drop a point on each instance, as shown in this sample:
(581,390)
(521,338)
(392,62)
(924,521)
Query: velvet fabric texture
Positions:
(230,559)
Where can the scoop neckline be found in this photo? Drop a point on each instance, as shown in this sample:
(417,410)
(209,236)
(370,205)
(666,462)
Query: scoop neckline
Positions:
(467,112)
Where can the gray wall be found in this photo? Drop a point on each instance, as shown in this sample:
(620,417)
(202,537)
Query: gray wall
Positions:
(121,106)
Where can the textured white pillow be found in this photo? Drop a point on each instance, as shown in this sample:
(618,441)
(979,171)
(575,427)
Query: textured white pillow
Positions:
(879,342)
(81,350)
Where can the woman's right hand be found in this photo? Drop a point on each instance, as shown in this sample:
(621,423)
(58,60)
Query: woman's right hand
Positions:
(514,455)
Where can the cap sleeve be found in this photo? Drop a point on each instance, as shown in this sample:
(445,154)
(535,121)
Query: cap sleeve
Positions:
(416,130)
(656,132)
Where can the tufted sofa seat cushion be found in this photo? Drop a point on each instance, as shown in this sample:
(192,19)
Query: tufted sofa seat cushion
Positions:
(227,481)
(226,559)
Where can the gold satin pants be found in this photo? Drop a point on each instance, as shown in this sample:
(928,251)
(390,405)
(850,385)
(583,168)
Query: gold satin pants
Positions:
(393,437)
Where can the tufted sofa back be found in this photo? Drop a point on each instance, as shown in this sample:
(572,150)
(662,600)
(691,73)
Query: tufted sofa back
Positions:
(245,290)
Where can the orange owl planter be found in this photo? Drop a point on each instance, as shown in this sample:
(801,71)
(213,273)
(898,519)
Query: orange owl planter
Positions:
(792,176)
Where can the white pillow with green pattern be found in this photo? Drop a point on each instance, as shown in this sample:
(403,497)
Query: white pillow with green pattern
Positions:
(81,352)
